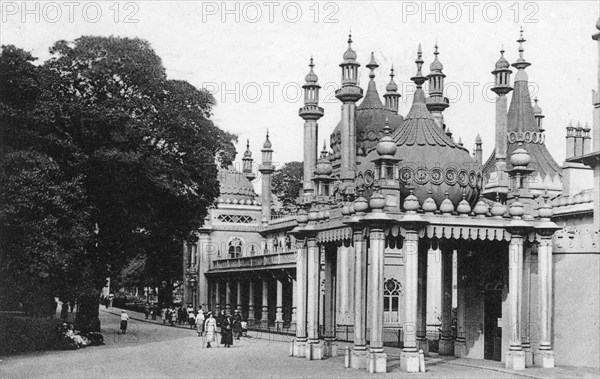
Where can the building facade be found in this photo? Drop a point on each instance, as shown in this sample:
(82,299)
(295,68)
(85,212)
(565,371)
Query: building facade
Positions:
(405,236)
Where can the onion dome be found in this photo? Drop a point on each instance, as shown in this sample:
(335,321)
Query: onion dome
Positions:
(502,63)
(233,185)
(436,66)
(411,203)
(463,207)
(324,167)
(311,77)
(516,209)
(447,207)
(481,208)
(302,217)
(386,146)
(377,202)
(267,144)
(360,205)
(520,157)
(537,110)
(247,153)
(349,55)
(391,86)
(429,205)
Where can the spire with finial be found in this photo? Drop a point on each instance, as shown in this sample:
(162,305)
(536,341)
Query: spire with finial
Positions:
(349,66)
(247,162)
(267,144)
(521,64)
(349,55)
(419,79)
(372,65)
(436,102)
(311,109)
(392,97)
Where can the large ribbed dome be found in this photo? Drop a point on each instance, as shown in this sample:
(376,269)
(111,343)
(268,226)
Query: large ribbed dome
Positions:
(235,186)
(431,160)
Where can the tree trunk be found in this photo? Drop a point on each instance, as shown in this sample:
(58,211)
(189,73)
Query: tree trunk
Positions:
(87,319)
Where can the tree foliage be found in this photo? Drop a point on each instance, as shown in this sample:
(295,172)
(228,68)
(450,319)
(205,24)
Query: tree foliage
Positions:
(287,184)
(102,138)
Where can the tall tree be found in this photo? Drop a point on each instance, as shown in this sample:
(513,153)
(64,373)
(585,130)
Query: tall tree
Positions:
(142,147)
(287,184)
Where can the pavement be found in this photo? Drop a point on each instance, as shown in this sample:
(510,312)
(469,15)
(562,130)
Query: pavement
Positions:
(153,350)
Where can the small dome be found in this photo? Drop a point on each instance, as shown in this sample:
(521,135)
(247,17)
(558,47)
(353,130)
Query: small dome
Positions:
(429,205)
(391,86)
(247,153)
(499,209)
(436,66)
(311,77)
(377,201)
(516,209)
(360,205)
(386,146)
(350,55)
(267,144)
(447,206)
(411,203)
(520,157)
(481,208)
(502,63)
(463,207)
(324,167)
(302,217)
(234,186)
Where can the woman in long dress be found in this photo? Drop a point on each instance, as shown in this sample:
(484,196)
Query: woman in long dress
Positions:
(226,332)
(210,327)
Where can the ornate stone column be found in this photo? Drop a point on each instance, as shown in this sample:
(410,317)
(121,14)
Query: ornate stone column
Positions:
(299,343)
(525,308)
(239,297)
(294,300)
(409,358)
(545,355)
(359,352)
(460,345)
(447,341)
(264,319)
(227,298)
(515,358)
(377,359)
(422,342)
(279,305)
(251,310)
(314,349)
(217,309)
(204,256)
(329,305)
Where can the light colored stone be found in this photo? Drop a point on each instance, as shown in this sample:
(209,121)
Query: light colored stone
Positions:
(377,363)
(409,361)
(358,359)
(515,360)
(544,359)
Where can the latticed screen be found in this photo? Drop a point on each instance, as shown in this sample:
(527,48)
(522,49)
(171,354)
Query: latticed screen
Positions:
(236,219)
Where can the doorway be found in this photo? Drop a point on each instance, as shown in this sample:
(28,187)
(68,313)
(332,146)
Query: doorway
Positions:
(492,325)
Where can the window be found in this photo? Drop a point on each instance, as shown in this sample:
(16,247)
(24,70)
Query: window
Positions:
(391,301)
(235,248)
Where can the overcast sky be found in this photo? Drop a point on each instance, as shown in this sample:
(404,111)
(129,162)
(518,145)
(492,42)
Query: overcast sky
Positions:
(254,55)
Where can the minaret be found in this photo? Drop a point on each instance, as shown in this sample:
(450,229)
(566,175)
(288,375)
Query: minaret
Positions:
(349,94)
(311,112)
(386,170)
(478,152)
(501,88)
(266,169)
(436,103)
(247,163)
(392,97)
(539,116)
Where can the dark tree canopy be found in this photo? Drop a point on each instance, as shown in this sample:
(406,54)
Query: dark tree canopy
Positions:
(287,184)
(102,138)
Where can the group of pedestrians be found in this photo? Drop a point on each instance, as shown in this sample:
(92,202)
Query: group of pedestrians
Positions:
(225,324)
(179,315)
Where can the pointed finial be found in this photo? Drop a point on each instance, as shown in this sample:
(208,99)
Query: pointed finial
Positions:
(386,129)
(419,79)
(248,143)
(350,37)
(436,52)
(521,62)
(324,145)
(372,65)
(311,64)
(392,72)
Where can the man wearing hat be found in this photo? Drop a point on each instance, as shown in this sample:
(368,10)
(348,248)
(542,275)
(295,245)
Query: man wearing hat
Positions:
(124,319)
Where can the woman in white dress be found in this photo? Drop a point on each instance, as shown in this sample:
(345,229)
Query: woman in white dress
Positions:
(210,327)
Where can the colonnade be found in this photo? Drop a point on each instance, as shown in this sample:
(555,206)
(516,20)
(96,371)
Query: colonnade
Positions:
(369,246)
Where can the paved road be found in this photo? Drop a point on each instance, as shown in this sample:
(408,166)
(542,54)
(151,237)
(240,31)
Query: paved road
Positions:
(151,350)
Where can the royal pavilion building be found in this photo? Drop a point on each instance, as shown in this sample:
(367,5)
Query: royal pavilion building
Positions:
(404,237)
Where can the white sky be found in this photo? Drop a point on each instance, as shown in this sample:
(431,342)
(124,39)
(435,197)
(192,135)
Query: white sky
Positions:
(197,45)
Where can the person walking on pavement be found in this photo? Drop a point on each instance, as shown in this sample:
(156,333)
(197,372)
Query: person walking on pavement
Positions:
(226,332)
(200,322)
(211,329)
(124,319)
(237,325)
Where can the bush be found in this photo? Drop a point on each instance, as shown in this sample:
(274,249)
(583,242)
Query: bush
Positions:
(19,334)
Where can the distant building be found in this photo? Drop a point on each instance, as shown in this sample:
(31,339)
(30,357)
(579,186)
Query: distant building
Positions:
(399,221)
